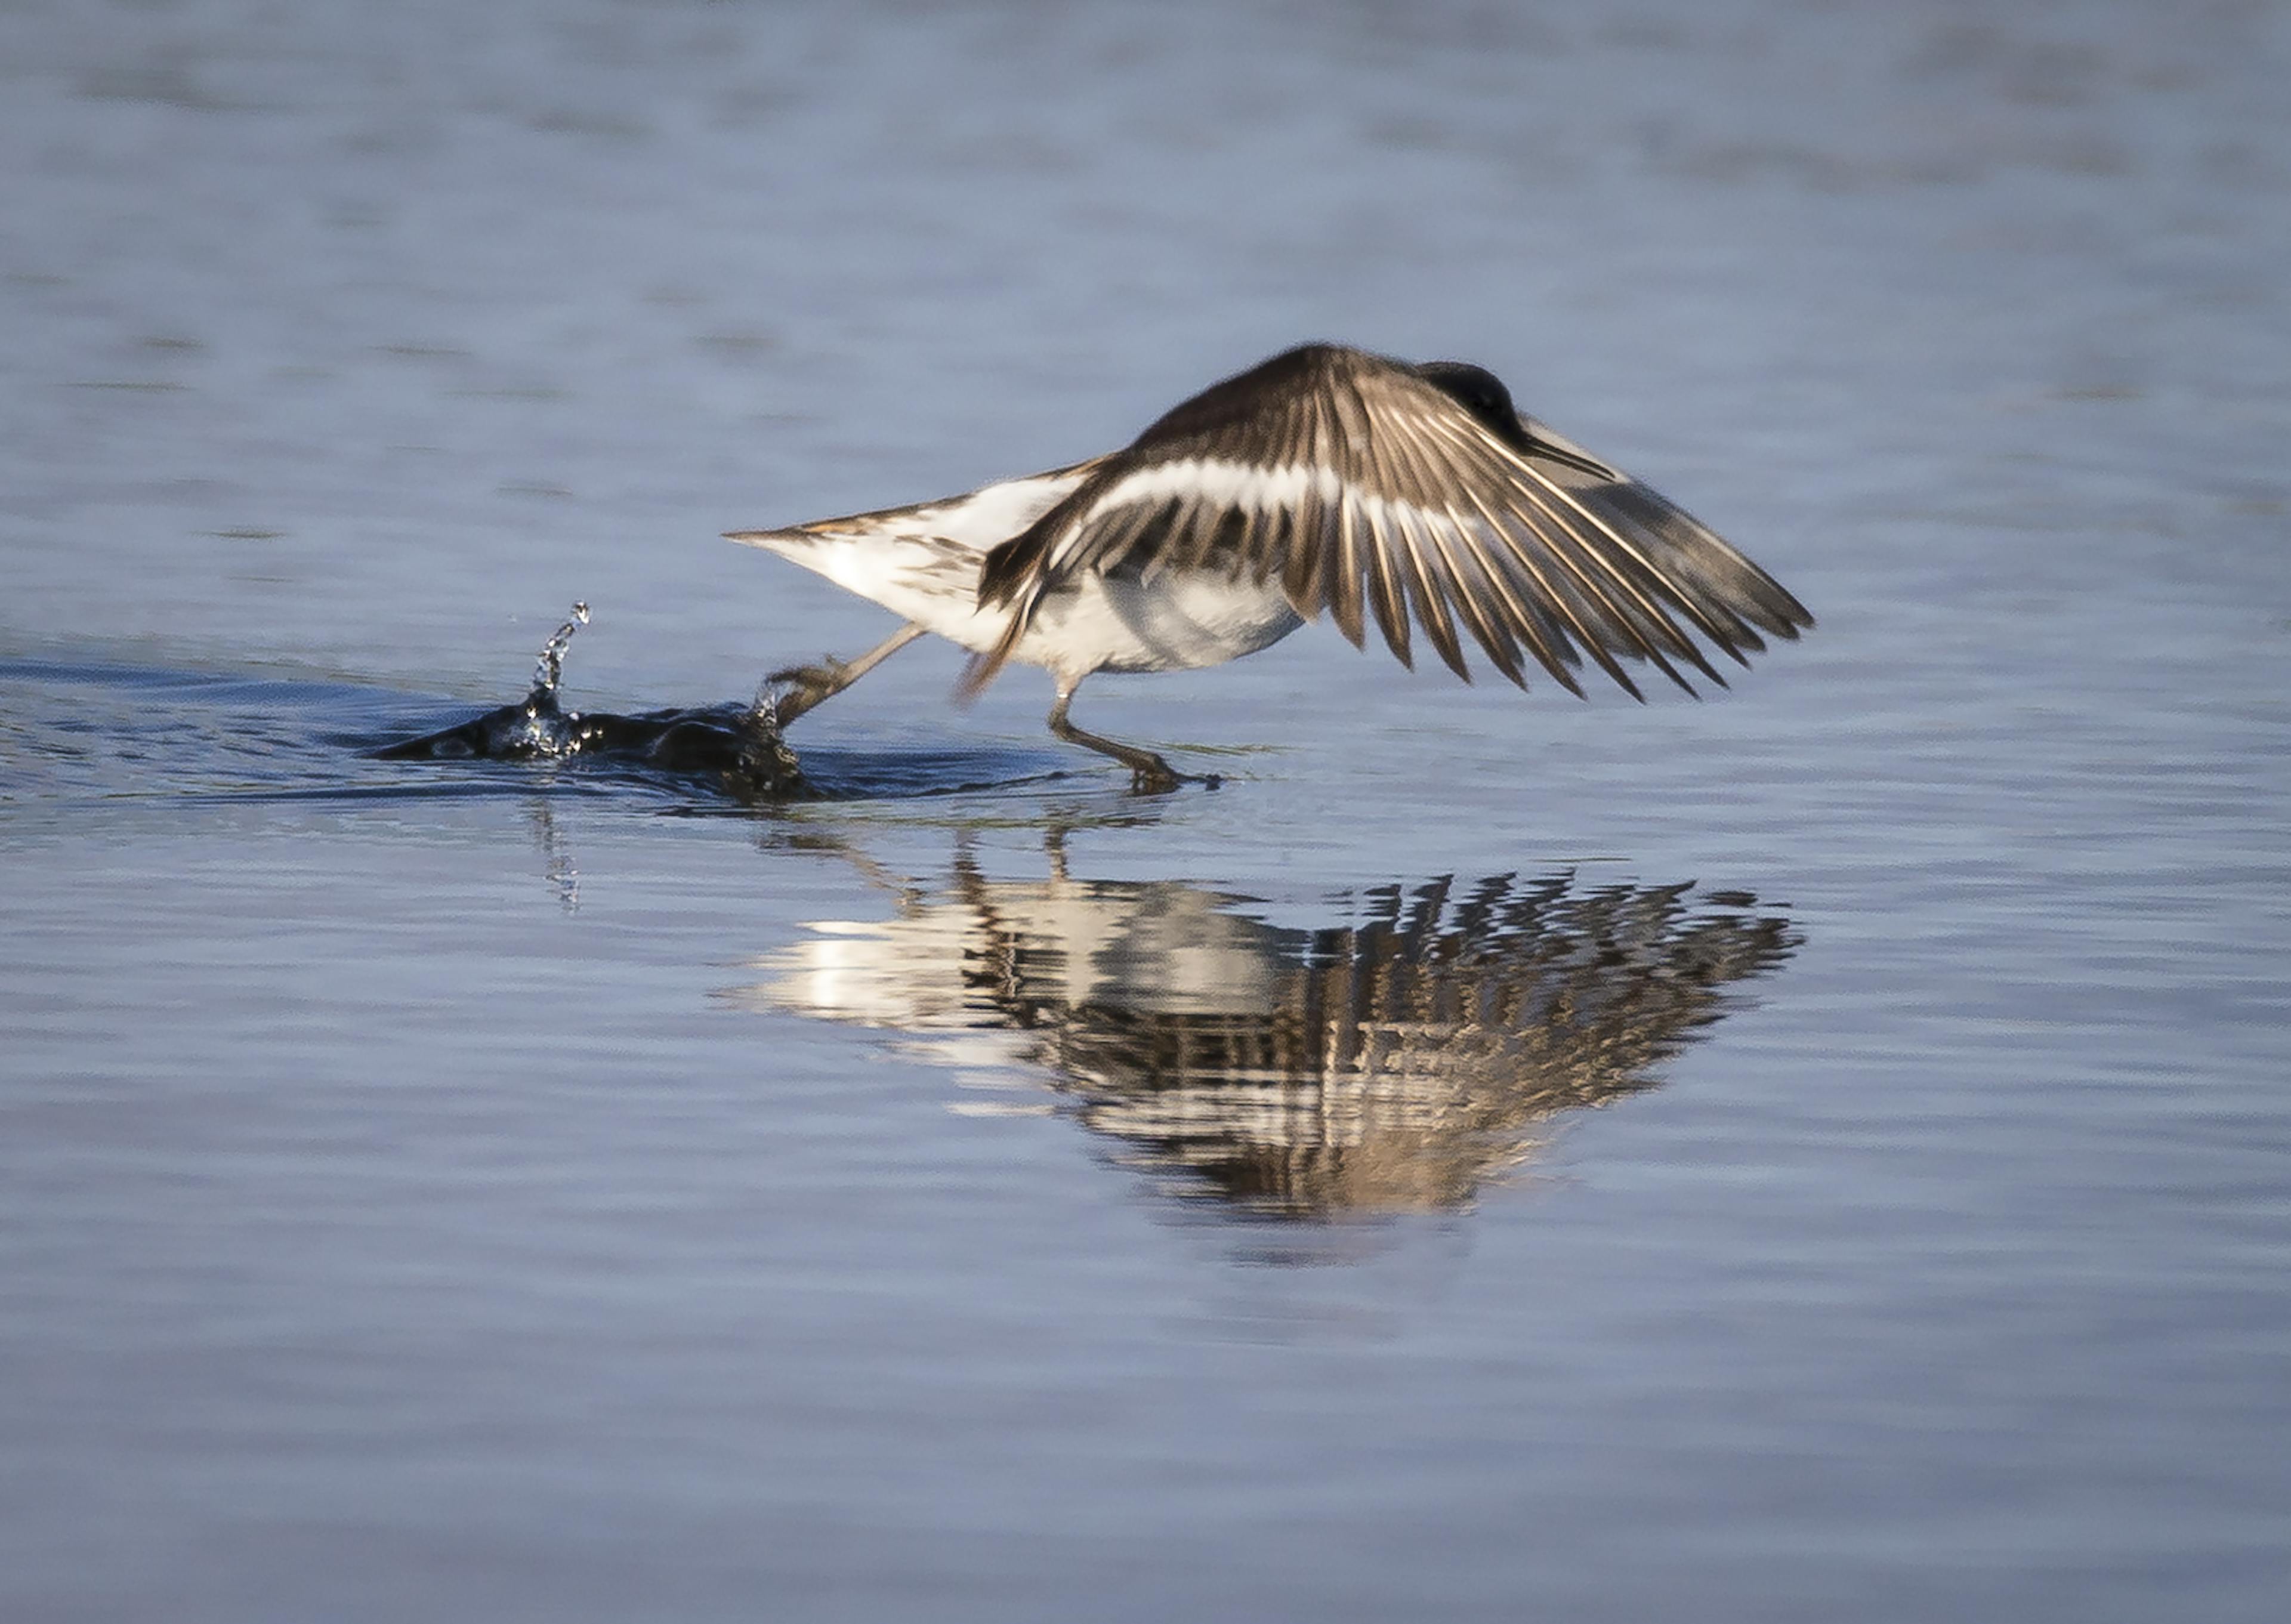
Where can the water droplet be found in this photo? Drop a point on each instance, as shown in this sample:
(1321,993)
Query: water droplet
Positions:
(551,671)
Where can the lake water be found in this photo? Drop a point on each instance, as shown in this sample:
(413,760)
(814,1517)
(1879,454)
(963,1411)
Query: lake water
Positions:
(1821,1153)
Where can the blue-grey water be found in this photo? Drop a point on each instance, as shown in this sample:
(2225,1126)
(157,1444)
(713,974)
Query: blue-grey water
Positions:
(1822,1152)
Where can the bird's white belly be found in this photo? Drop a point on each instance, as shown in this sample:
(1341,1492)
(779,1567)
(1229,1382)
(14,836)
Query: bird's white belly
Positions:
(1175,623)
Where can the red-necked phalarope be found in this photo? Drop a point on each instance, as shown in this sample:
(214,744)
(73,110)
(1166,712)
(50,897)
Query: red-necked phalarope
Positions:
(1325,479)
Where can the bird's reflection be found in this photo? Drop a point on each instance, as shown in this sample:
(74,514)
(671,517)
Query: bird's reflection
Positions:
(1391,1060)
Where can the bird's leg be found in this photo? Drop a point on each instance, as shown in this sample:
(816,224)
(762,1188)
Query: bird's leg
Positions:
(1149,774)
(823,681)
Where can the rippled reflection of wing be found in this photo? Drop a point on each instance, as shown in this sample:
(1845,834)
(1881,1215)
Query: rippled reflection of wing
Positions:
(1391,1062)
(1368,490)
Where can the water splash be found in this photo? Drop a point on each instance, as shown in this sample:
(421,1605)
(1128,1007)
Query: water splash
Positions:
(734,748)
(550,671)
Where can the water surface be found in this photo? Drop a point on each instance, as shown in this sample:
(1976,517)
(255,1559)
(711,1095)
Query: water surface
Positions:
(1821,1152)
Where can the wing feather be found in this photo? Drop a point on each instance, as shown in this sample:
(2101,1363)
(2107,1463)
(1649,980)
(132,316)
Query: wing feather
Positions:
(1628,625)
(1630,567)
(1529,622)
(1371,489)
(1438,587)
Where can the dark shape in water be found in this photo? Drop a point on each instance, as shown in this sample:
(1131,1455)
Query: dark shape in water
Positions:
(737,747)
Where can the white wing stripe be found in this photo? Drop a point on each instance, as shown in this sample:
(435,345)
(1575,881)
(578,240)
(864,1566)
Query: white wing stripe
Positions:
(1251,488)
(1234,485)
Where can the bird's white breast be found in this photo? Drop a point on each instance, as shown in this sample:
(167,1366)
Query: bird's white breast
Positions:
(1173,623)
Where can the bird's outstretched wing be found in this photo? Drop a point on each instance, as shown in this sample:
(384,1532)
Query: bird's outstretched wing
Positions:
(1369,487)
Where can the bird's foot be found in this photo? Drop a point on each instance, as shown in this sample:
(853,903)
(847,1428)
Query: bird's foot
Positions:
(796,688)
(825,674)
(1155,776)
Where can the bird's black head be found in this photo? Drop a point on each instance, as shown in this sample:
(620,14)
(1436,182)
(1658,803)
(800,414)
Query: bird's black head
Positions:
(1481,393)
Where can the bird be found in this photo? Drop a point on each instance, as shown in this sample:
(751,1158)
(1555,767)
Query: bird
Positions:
(1325,481)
